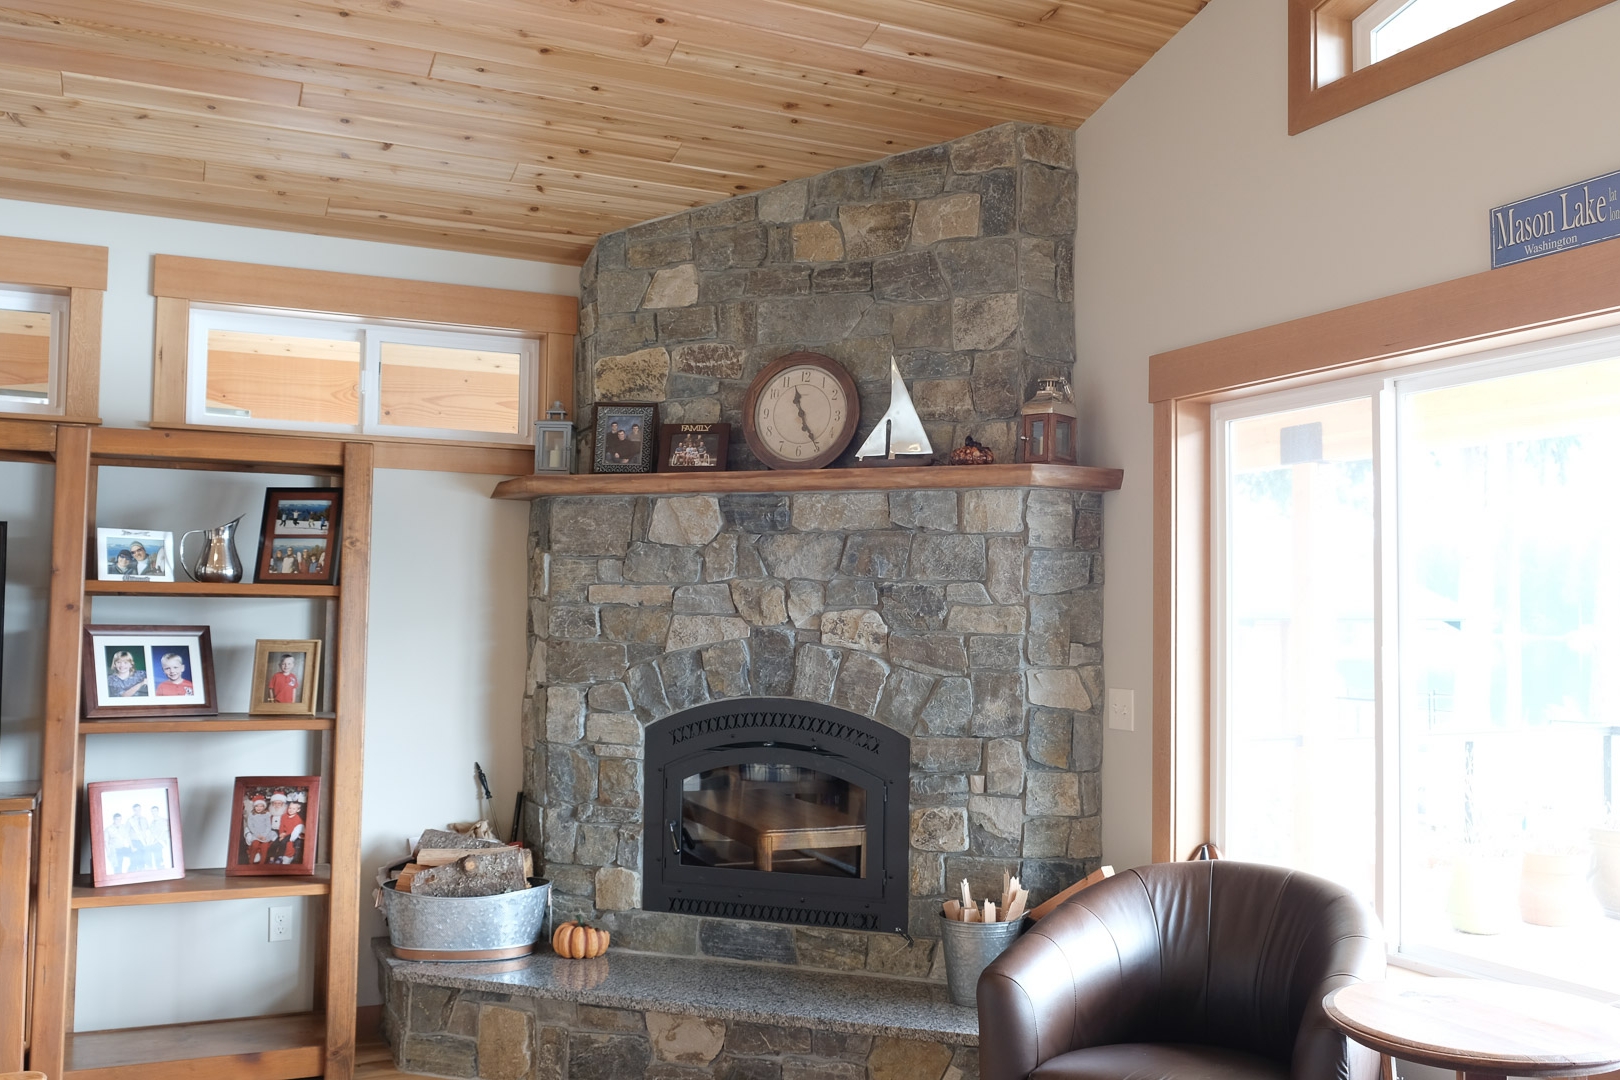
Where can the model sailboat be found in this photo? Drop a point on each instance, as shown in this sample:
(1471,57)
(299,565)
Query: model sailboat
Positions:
(899,438)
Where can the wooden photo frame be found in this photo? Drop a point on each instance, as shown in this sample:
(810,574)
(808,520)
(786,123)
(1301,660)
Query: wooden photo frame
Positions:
(274,822)
(134,831)
(139,671)
(623,441)
(286,677)
(693,447)
(300,536)
(134,555)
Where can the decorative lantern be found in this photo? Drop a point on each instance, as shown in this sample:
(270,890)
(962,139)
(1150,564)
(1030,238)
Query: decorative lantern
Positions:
(1048,424)
(554,442)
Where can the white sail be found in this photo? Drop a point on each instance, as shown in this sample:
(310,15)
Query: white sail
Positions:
(901,430)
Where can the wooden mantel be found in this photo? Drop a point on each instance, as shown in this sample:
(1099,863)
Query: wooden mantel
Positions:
(1067,477)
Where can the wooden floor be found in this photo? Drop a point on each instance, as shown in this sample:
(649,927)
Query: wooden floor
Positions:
(374,1061)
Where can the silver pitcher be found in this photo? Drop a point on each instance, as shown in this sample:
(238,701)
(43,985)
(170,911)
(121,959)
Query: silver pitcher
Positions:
(218,564)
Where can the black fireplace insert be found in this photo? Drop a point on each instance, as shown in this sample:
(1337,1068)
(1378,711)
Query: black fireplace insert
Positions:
(779,811)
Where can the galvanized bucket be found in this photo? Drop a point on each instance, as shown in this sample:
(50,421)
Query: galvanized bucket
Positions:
(969,948)
(467,927)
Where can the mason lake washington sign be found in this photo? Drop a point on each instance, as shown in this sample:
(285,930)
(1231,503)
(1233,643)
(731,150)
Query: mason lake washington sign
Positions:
(1582,213)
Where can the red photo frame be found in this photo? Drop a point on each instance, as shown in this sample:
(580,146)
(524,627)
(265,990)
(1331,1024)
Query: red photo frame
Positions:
(134,831)
(279,837)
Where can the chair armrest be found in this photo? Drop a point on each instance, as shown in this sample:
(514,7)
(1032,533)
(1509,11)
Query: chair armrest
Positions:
(1026,1008)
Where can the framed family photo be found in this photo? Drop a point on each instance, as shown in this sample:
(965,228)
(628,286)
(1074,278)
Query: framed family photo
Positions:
(626,438)
(286,677)
(273,825)
(693,447)
(134,555)
(298,541)
(134,831)
(136,671)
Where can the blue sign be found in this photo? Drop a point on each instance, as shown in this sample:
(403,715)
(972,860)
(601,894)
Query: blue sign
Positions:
(1557,221)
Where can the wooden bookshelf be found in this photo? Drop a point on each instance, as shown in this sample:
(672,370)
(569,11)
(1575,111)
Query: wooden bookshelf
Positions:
(198,886)
(200,588)
(766,481)
(222,722)
(256,1048)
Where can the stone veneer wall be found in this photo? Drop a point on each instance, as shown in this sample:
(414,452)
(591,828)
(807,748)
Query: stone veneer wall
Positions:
(957,259)
(971,621)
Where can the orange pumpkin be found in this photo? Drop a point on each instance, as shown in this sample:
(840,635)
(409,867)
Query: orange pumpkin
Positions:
(577,941)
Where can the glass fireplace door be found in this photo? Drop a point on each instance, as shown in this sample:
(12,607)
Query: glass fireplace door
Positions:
(775,818)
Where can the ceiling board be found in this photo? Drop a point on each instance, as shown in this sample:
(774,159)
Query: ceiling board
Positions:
(520,127)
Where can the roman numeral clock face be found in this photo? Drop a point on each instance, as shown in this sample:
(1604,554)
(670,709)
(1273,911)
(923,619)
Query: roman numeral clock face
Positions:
(801,412)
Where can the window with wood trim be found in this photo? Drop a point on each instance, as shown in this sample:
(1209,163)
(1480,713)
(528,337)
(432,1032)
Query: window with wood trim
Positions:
(1334,68)
(1418,473)
(50,329)
(327,354)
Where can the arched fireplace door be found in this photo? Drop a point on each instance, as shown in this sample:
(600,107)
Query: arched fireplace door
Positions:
(780,811)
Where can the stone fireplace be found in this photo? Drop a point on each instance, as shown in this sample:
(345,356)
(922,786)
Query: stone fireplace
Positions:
(967,621)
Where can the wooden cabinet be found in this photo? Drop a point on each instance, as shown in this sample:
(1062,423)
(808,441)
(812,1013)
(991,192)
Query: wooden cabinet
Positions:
(18,803)
(320,1042)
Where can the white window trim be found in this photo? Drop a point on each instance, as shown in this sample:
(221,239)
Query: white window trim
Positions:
(54,303)
(1386,392)
(1363,26)
(371,334)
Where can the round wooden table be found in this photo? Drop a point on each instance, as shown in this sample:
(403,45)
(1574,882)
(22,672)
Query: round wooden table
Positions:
(1481,1029)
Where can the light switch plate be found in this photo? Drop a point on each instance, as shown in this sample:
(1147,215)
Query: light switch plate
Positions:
(1122,709)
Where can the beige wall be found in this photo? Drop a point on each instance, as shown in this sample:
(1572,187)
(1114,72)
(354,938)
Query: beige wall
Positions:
(1200,217)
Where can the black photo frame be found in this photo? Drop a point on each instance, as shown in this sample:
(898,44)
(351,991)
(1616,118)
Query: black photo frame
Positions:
(626,438)
(300,537)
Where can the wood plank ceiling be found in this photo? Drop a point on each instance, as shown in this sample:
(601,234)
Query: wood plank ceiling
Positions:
(520,127)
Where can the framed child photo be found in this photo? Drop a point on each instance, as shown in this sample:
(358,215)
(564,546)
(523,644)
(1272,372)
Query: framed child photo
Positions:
(626,438)
(138,671)
(693,447)
(298,540)
(286,677)
(134,831)
(134,555)
(273,825)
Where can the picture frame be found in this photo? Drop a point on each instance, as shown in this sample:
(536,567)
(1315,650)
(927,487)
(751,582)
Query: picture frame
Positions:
(300,536)
(134,555)
(132,672)
(286,677)
(134,831)
(623,442)
(264,842)
(693,447)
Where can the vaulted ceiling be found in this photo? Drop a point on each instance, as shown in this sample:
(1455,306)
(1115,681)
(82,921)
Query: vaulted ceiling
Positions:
(520,127)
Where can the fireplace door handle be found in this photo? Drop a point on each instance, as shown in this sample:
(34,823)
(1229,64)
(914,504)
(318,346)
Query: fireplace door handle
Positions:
(674,841)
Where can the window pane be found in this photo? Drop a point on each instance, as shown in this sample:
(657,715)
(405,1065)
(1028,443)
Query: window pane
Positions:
(423,386)
(1299,711)
(1421,20)
(25,355)
(281,377)
(1510,641)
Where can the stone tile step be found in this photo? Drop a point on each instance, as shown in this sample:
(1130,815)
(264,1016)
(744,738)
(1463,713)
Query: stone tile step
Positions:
(855,1003)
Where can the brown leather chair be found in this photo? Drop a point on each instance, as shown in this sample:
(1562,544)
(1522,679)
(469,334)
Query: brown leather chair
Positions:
(1183,971)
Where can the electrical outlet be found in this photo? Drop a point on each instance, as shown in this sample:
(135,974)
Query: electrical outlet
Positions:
(281,923)
(1122,709)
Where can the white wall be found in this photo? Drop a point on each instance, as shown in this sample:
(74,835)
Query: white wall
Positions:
(445,662)
(1199,216)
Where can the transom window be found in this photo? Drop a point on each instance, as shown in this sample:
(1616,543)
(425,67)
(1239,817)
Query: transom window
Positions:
(1416,631)
(33,360)
(331,373)
(1393,26)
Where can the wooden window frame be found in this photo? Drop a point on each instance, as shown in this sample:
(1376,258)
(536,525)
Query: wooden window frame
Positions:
(1559,294)
(81,271)
(1322,83)
(178,282)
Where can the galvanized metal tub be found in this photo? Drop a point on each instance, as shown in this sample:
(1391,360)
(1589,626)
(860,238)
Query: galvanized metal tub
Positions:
(969,948)
(467,927)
